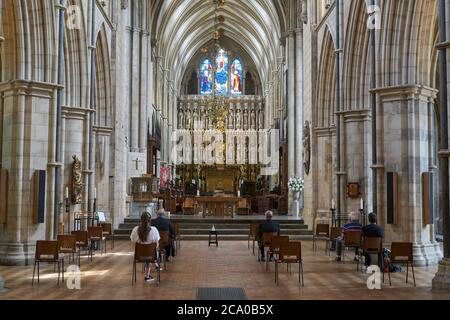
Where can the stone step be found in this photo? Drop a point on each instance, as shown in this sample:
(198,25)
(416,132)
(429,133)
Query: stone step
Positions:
(236,231)
(220,230)
(198,228)
(218,221)
(217,225)
(222,237)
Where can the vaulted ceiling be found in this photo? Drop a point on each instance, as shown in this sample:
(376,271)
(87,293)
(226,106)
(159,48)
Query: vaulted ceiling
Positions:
(183,27)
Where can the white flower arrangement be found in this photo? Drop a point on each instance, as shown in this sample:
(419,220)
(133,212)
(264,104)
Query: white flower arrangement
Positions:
(296,184)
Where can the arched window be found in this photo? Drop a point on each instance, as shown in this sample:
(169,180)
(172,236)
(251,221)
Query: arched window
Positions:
(236,77)
(206,71)
(222,73)
(224,78)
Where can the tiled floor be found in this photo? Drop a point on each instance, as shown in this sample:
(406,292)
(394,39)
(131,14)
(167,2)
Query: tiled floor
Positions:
(229,265)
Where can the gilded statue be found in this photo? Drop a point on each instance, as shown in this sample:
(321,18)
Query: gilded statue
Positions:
(77,185)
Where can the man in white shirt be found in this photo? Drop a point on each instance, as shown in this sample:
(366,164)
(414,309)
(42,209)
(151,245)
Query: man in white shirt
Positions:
(146,234)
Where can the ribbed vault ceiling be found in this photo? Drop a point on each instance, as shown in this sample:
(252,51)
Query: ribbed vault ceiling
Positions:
(183,27)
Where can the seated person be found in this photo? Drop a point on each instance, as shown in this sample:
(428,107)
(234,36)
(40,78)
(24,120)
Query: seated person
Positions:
(352,225)
(146,234)
(163,224)
(372,230)
(267,226)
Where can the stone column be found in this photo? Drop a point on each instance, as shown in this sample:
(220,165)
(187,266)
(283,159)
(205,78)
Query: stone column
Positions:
(291,103)
(442,279)
(144,91)
(28,131)
(299,103)
(292,205)
(404,117)
(135,87)
(357,155)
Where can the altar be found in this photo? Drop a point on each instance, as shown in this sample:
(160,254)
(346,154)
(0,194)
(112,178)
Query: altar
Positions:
(218,206)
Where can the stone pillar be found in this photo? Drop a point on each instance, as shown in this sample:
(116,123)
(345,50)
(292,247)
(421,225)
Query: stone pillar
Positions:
(158,82)
(357,155)
(135,88)
(299,103)
(28,131)
(144,91)
(291,103)
(404,117)
(442,279)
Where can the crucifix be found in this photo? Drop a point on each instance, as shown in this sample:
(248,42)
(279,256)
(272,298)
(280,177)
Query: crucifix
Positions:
(137,163)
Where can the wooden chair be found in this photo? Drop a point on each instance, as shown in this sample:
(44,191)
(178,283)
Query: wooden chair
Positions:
(274,248)
(253,235)
(67,244)
(108,232)
(177,235)
(335,233)
(95,235)
(164,241)
(402,252)
(47,251)
(372,245)
(290,252)
(189,207)
(266,241)
(352,239)
(147,254)
(82,241)
(322,233)
(243,207)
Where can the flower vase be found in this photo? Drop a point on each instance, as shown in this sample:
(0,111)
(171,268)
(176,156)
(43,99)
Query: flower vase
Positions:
(296,205)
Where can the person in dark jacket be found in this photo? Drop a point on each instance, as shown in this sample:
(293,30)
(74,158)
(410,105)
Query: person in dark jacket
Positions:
(372,230)
(163,224)
(267,226)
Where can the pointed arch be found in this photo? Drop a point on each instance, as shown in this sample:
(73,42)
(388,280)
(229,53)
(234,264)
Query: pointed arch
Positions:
(8,54)
(356,60)
(76,58)
(103,103)
(326,87)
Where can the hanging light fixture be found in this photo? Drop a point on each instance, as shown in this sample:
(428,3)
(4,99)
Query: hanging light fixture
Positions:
(218,33)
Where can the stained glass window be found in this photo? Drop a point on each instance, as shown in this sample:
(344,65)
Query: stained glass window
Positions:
(206,77)
(236,77)
(222,73)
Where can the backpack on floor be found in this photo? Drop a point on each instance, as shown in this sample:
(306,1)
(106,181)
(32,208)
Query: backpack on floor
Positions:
(387,264)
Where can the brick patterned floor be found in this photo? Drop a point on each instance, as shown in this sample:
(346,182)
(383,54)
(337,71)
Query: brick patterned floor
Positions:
(229,265)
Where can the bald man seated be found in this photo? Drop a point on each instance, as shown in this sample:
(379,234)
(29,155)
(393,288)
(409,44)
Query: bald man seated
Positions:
(267,226)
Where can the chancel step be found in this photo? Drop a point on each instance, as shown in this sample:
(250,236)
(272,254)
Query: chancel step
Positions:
(197,228)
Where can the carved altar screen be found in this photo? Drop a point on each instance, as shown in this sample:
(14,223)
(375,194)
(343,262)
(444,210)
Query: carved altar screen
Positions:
(221,180)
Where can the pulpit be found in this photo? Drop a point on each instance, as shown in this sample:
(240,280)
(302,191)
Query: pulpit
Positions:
(143,191)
